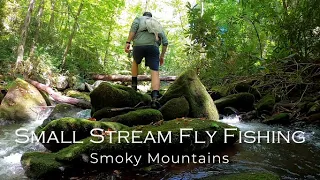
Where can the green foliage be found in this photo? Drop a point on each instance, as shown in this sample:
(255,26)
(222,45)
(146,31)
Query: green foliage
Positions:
(240,38)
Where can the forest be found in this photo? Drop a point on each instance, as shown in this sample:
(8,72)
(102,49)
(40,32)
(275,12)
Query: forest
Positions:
(249,65)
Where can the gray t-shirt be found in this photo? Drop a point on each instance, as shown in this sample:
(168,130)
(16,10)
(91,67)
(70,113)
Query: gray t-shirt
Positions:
(144,37)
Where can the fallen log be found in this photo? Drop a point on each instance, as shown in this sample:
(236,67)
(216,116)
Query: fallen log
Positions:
(60,98)
(127,78)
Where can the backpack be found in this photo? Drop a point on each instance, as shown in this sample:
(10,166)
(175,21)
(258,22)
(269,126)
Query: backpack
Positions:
(151,25)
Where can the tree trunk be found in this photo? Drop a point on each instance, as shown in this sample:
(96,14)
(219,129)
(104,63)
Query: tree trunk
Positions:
(51,22)
(23,35)
(74,29)
(126,78)
(36,36)
(60,98)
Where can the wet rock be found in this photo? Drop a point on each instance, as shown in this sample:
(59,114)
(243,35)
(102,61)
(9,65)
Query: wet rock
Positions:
(107,95)
(245,176)
(61,82)
(241,101)
(72,129)
(78,95)
(281,118)
(230,111)
(249,116)
(266,103)
(190,86)
(21,102)
(61,111)
(75,83)
(138,117)
(175,108)
(41,165)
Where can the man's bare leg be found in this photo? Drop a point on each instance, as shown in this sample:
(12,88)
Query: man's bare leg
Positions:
(134,74)
(155,80)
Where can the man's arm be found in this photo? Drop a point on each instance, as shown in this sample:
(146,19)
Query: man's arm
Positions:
(164,47)
(132,33)
(130,38)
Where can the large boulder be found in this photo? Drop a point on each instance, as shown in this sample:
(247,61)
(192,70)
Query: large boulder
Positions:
(21,102)
(175,108)
(70,130)
(266,103)
(61,111)
(241,101)
(138,117)
(200,103)
(39,165)
(107,95)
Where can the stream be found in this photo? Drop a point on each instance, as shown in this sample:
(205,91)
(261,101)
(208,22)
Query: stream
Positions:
(288,160)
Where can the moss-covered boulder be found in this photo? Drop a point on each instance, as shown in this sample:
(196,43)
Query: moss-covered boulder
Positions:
(266,103)
(21,102)
(110,112)
(70,130)
(280,118)
(190,86)
(61,111)
(78,156)
(138,117)
(107,95)
(246,176)
(78,95)
(241,101)
(175,108)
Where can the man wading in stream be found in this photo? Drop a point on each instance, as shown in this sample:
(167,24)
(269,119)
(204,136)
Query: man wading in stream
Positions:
(147,35)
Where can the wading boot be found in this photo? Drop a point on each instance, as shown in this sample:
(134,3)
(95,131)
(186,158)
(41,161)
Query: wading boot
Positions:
(154,99)
(134,83)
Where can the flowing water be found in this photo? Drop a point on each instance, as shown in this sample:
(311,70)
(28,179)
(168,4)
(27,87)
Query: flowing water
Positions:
(11,151)
(288,160)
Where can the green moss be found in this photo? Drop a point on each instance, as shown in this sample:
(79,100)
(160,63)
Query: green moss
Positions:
(221,91)
(21,100)
(241,101)
(315,108)
(68,126)
(281,118)
(79,95)
(41,165)
(73,155)
(245,176)
(244,87)
(266,103)
(200,102)
(107,95)
(175,108)
(109,113)
(138,117)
